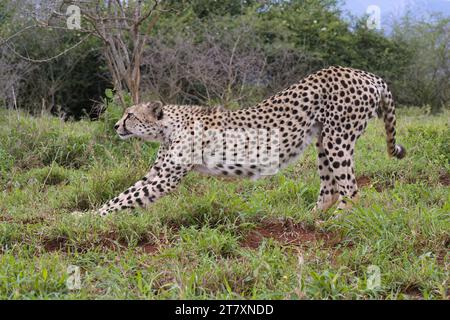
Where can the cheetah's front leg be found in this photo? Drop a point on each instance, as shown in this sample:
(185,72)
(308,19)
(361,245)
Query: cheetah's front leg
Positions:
(156,167)
(166,180)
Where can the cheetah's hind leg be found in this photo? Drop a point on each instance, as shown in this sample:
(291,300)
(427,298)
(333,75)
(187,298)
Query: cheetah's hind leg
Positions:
(328,194)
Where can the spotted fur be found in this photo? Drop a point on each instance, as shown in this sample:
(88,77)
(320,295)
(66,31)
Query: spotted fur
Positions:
(332,105)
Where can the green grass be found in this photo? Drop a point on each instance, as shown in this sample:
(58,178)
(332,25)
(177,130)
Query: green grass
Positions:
(215,238)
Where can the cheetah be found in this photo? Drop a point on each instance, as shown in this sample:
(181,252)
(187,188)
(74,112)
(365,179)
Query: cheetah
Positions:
(332,105)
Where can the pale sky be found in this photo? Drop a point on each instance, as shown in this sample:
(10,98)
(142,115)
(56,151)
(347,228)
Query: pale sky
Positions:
(392,9)
(397,7)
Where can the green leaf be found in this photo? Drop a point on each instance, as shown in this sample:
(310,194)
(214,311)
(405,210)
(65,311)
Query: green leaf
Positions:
(109,93)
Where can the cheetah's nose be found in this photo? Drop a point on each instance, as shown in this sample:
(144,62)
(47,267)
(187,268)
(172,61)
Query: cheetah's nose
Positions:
(116,126)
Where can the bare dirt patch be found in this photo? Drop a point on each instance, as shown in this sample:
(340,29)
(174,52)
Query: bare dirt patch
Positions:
(55,244)
(366,181)
(6,219)
(413,292)
(109,241)
(287,233)
(150,248)
(444,179)
(33,220)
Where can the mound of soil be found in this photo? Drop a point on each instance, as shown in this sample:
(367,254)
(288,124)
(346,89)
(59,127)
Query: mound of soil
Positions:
(286,233)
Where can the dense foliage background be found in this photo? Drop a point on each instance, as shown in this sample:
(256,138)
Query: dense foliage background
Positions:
(229,52)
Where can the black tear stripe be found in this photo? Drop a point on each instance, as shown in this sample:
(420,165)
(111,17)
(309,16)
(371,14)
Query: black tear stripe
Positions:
(124,120)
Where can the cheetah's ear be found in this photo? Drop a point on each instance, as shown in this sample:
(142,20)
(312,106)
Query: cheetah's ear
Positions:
(156,107)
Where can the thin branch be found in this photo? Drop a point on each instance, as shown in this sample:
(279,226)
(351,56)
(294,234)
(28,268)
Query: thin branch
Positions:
(16,34)
(144,17)
(51,58)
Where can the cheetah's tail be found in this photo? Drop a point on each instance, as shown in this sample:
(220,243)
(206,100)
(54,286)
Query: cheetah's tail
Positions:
(388,110)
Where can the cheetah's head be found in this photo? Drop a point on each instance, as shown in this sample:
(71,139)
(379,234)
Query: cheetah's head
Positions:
(143,121)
